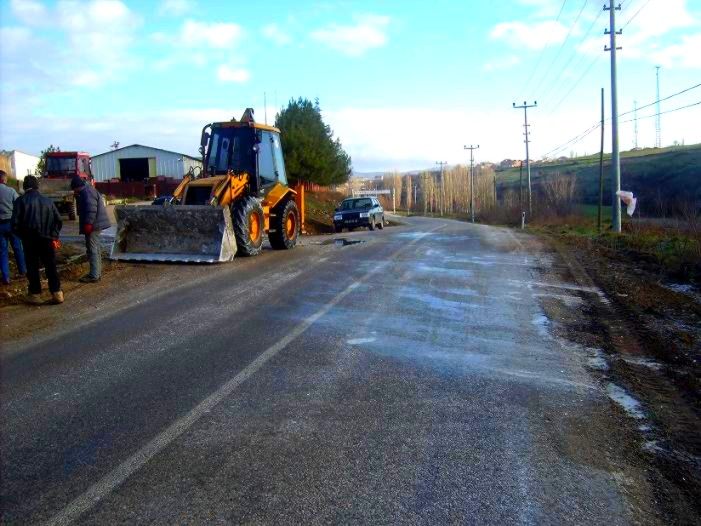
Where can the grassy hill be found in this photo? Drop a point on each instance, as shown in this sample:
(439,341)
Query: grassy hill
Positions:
(667,176)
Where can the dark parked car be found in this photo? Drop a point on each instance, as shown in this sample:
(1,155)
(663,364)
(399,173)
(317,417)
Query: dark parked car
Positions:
(165,200)
(357,212)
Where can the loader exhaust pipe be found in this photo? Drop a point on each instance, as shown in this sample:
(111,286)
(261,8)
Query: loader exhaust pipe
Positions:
(188,234)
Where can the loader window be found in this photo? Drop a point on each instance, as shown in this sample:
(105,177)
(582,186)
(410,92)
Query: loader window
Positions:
(279,160)
(230,149)
(266,161)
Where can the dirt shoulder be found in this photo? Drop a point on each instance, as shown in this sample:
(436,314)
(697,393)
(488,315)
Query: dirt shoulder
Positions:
(645,330)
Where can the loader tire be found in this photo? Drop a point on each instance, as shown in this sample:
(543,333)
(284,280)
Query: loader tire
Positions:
(284,227)
(248,219)
(73,210)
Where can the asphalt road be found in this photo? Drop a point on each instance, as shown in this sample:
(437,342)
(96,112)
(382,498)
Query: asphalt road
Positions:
(409,378)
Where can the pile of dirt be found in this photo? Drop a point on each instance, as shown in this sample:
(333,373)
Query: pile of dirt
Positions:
(649,329)
(71,262)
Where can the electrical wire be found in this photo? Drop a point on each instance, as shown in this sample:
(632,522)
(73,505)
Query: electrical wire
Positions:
(660,100)
(569,61)
(572,88)
(562,46)
(592,129)
(636,14)
(664,112)
(542,53)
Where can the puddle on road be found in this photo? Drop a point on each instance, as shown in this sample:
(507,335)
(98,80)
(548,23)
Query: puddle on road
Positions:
(541,323)
(343,242)
(360,341)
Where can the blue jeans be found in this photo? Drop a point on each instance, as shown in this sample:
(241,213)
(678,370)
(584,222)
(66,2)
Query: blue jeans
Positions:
(7,238)
(94,252)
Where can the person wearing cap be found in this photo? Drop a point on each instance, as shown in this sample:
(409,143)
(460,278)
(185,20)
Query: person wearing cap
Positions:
(92,217)
(37,222)
(8,196)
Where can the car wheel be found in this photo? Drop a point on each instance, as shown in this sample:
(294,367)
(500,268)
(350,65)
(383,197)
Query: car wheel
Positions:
(381,224)
(338,229)
(371,225)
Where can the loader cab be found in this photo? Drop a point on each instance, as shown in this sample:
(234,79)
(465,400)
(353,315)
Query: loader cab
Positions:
(243,147)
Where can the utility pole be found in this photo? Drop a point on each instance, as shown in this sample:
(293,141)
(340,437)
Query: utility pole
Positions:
(472,179)
(658,120)
(601,165)
(265,106)
(525,107)
(520,193)
(635,120)
(442,164)
(416,186)
(616,155)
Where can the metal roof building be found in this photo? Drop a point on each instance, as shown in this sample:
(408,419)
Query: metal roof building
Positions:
(138,163)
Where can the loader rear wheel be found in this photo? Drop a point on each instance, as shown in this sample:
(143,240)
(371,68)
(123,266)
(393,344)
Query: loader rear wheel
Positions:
(284,227)
(247,216)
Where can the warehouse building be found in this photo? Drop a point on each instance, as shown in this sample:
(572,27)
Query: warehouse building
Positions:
(136,163)
(18,164)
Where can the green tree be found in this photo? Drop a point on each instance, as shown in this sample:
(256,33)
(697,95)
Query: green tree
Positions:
(41,165)
(311,152)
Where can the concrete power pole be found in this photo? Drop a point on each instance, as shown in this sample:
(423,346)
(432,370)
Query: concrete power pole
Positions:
(635,120)
(472,180)
(525,107)
(442,164)
(616,154)
(658,120)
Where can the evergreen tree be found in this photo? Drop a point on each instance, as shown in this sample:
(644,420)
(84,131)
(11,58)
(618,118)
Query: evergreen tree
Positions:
(311,152)
(41,165)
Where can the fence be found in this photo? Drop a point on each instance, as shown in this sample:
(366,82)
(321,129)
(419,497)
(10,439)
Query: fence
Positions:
(148,189)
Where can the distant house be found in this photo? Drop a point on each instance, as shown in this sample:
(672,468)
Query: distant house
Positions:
(139,163)
(18,164)
(509,163)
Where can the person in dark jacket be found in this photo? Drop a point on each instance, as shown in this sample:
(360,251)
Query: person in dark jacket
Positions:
(37,222)
(93,219)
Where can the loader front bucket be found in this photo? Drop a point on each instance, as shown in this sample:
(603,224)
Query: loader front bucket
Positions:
(190,234)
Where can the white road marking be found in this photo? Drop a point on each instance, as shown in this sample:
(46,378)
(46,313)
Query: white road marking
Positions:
(111,481)
(359,341)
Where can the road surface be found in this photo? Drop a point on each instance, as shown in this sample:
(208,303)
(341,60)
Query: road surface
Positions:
(412,377)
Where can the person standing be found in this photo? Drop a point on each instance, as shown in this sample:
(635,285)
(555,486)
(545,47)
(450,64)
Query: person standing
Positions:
(37,222)
(93,219)
(8,196)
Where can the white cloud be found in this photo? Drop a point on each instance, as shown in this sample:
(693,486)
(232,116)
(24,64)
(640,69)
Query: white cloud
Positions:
(175,7)
(277,35)
(686,54)
(367,33)
(94,43)
(218,35)
(532,36)
(502,63)
(29,11)
(229,74)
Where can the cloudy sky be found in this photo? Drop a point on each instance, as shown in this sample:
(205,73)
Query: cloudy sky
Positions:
(403,84)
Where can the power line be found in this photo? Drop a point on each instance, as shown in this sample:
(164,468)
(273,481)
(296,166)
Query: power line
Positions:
(636,14)
(667,111)
(572,88)
(663,99)
(564,42)
(542,52)
(595,127)
(572,56)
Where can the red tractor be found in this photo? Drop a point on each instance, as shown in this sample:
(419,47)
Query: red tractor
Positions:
(59,169)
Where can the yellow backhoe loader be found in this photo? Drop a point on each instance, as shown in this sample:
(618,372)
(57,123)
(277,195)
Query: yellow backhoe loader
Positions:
(240,195)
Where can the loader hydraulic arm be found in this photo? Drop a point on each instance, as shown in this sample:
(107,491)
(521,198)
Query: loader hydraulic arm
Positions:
(230,189)
(180,189)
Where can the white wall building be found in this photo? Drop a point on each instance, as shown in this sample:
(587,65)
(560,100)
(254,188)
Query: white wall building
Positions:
(137,162)
(18,164)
